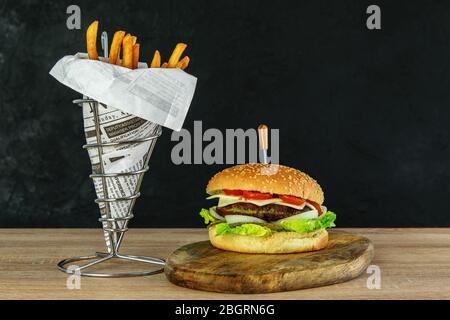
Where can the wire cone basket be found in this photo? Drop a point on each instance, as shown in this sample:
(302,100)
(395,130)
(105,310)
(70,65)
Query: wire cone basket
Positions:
(116,209)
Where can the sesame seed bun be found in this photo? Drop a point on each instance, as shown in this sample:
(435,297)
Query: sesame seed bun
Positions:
(278,242)
(267,178)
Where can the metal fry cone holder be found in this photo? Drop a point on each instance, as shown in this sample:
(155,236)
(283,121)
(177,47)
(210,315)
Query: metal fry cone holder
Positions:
(114,227)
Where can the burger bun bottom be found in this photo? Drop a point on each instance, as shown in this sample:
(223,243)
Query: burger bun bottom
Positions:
(278,242)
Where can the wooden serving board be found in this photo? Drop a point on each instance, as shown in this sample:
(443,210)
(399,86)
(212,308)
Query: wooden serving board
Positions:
(201,266)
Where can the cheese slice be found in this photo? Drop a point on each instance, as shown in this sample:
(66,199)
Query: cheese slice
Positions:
(225,200)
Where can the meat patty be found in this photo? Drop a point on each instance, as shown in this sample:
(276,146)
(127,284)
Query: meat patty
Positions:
(270,212)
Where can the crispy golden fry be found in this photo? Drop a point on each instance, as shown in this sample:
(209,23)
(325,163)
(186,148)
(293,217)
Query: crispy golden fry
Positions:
(136,55)
(127,44)
(133,40)
(183,64)
(91,40)
(156,61)
(127,52)
(119,61)
(176,54)
(115,47)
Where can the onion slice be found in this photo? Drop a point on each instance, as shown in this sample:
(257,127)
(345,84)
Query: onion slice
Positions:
(214,214)
(237,218)
(311,214)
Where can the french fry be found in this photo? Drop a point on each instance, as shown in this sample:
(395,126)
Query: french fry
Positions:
(186,61)
(91,40)
(135,55)
(127,52)
(156,61)
(176,54)
(183,63)
(133,40)
(119,61)
(114,52)
(127,44)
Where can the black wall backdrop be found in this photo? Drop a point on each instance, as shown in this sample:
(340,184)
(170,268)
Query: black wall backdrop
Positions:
(364,112)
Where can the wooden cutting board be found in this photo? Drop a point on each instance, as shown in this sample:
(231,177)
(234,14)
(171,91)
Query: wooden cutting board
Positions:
(201,266)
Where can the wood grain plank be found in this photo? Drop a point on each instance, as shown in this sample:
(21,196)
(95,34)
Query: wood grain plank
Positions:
(414,264)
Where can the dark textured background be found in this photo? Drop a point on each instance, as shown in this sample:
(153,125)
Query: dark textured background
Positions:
(364,112)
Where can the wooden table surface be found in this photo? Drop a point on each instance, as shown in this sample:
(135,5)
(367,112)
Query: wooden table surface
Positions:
(414,264)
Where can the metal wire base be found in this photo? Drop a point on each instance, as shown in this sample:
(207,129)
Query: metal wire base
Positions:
(114,227)
(100,257)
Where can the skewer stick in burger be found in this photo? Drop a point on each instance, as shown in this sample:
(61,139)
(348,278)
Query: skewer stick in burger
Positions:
(266,208)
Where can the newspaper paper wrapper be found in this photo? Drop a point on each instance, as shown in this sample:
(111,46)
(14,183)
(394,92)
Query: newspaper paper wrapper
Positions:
(160,95)
(116,125)
(133,105)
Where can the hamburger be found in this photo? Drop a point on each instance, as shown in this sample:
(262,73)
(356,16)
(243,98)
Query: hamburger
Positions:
(266,208)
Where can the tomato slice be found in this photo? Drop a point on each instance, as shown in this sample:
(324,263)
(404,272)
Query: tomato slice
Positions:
(291,199)
(255,195)
(229,192)
(315,205)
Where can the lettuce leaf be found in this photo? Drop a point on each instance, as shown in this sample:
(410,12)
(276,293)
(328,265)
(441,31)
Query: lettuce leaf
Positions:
(327,220)
(246,229)
(207,217)
(258,230)
(304,226)
(300,226)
